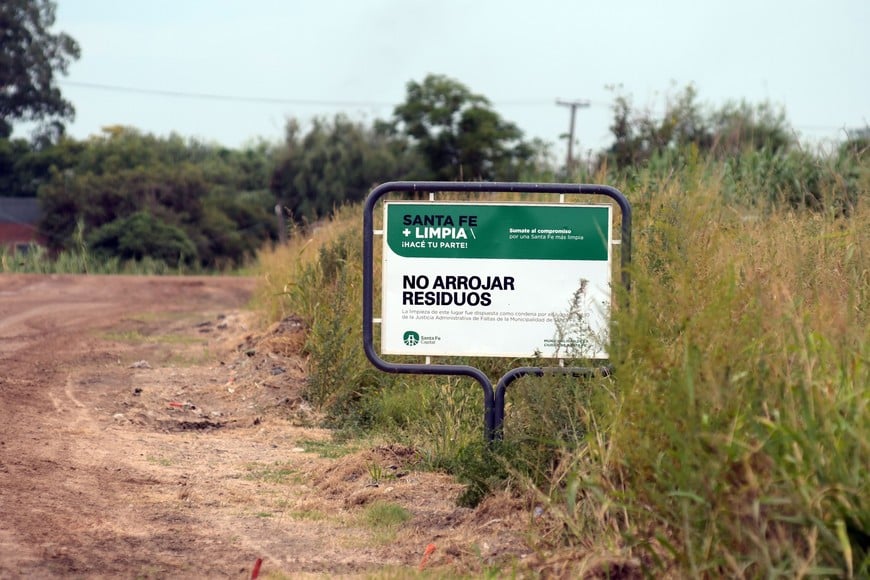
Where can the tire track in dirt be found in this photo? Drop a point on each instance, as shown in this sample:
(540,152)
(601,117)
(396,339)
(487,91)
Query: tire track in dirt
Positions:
(193,464)
(64,494)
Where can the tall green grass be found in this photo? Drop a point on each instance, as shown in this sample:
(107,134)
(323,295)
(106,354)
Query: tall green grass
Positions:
(36,260)
(738,441)
(318,277)
(732,440)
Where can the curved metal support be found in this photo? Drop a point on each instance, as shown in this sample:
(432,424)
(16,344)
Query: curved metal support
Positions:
(368,330)
(494,400)
(519,372)
(442,369)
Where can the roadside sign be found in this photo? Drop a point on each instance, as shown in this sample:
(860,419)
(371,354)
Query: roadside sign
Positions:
(496,279)
(493,279)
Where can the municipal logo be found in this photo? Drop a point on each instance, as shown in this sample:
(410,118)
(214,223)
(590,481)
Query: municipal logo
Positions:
(411,338)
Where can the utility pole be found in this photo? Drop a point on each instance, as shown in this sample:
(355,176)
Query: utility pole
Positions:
(282,223)
(576,104)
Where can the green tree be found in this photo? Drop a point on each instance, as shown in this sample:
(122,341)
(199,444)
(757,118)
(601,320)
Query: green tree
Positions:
(30,57)
(25,166)
(234,225)
(217,197)
(336,162)
(640,135)
(174,194)
(739,127)
(14,181)
(458,133)
(142,235)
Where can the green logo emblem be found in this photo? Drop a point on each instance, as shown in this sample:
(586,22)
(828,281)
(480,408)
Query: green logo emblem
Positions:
(411,338)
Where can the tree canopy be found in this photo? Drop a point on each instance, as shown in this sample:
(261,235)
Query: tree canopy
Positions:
(337,161)
(442,131)
(129,194)
(734,128)
(176,199)
(30,58)
(458,133)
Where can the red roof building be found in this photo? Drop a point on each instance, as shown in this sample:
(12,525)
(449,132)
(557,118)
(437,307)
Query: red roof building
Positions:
(19,218)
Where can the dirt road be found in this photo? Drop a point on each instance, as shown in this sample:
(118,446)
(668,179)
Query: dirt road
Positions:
(147,429)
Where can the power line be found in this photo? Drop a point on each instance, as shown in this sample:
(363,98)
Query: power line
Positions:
(526,102)
(218,97)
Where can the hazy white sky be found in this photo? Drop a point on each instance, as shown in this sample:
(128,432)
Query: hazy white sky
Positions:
(319,57)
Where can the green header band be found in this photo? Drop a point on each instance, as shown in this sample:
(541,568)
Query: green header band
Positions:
(498,231)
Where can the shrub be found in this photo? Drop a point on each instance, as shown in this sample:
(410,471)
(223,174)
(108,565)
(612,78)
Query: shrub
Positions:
(142,235)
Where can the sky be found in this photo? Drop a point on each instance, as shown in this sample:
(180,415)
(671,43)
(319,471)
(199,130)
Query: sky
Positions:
(233,71)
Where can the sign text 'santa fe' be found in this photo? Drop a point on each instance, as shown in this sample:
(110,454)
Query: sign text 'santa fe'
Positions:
(439,220)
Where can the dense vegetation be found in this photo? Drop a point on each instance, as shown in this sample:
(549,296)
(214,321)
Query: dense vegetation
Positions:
(734,437)
(130,195)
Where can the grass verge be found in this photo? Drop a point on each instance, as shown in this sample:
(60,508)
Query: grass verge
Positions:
(733,439)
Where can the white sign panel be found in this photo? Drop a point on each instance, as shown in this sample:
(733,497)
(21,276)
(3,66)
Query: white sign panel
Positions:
(496,279)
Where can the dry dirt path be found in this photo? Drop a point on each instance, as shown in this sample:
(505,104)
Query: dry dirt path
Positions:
(146,431)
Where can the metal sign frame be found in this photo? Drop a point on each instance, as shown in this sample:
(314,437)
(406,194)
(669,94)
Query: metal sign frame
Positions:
(494,398)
